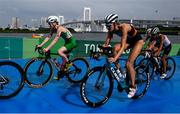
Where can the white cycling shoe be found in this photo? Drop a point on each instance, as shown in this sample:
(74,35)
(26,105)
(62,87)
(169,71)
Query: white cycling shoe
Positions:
(163,75)
(132,92)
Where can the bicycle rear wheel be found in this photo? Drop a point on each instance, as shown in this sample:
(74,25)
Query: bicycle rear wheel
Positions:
(97,87)
(142,82)
(77,72)
(38,72)
(171,68)
(11,79)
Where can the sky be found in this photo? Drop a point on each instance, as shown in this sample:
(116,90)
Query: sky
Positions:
(73,9)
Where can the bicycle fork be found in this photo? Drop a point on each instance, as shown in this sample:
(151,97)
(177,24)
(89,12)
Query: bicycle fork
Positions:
(3,81)
(100,81)
(40,69)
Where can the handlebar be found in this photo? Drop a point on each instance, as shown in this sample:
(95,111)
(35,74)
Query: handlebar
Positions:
(40,51)
(149,53)
(107,51)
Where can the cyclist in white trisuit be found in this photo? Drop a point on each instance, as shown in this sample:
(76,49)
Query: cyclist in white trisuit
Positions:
(160,43)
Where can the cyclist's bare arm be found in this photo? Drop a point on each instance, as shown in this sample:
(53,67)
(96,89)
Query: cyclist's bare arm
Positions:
(125,29)
(108,39)
(151,44)
(55,39)
(161,44)
(46,39)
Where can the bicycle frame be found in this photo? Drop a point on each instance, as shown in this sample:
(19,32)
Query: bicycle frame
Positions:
(108,68)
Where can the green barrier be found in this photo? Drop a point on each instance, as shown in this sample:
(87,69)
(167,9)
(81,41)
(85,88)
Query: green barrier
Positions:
(24,47)
(11,47)
(28,48)
(175,50)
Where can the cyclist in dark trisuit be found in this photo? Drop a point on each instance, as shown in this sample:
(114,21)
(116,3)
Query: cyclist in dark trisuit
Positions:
(70,41)
(130,38)
(160,43)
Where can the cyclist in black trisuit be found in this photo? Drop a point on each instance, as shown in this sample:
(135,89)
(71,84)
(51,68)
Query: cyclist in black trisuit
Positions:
(130,38)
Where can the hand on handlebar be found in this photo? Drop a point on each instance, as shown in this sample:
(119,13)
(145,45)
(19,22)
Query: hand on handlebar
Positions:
(105,45)
(38,46)
(45,50)
(112,59)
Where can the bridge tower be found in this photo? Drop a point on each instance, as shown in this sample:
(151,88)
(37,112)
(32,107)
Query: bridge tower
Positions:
(87,17)
(87,14)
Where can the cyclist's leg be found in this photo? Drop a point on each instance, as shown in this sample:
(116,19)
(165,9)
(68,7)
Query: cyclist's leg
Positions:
(155,63)
(164,62)
(116,49)
(61,52)
(69,45)
(130,67)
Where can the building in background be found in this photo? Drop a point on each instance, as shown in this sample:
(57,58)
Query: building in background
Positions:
(15,23)
(35,24)
(43,23)
(61,19)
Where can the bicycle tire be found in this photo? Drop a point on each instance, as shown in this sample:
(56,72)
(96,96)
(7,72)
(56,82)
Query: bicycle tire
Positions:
(146,64)
(84,90)
(139,81)
(27,67)
(21,84)
(138,59)
(174,67)
(77,76)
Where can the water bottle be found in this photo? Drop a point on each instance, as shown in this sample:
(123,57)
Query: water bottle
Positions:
(123,71)
(156,61)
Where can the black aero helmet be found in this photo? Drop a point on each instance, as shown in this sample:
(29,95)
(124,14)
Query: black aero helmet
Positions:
(111,18)
(155,31)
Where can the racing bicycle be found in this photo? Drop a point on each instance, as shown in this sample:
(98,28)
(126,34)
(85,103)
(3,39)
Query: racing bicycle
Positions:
(39,70)
(97,86)
(154,64)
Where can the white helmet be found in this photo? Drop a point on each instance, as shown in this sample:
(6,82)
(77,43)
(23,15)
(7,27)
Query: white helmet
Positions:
(111,18)
(52,19)
(148,31)
(155,31)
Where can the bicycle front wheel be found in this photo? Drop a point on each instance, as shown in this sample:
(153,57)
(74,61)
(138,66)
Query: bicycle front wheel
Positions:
(38,72)
(145,65)
(11,79)
(77,72)
(97,87)
(171,68)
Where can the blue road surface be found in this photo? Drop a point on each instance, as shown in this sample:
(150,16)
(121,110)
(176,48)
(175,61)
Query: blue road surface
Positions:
(64,97)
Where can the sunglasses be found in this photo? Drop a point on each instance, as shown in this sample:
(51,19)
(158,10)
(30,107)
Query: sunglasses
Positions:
(108,26)
(154,35)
